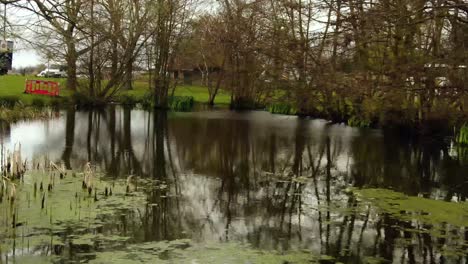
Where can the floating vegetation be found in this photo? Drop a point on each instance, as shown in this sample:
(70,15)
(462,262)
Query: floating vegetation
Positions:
(282,108)
(47,202)
(428,211)
(185,251)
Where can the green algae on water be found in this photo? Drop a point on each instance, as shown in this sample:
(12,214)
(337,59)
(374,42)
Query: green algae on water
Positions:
(184,251)
(428,211)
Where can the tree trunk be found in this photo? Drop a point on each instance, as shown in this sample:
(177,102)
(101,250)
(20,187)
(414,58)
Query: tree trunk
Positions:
(129,76)
(71,58)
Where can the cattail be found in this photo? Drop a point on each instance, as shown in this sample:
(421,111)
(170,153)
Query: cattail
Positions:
(41,187)
(43,201)
(106,192)
(12,192)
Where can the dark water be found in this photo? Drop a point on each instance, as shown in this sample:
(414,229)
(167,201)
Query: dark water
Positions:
(268,181)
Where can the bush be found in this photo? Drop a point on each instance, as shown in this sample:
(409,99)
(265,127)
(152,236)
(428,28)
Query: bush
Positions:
(9,101)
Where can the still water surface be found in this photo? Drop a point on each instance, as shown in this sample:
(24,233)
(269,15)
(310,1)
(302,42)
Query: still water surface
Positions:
(251,181)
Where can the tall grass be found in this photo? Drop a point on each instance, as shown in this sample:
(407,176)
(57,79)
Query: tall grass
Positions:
(20,112)
(9,100)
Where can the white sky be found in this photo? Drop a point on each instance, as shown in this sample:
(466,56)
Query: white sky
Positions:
(23,54)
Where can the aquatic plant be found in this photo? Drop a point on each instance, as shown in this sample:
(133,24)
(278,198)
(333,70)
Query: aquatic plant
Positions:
(128,100)
(187,251)
(356,121)
(9,101)
(181,103)
(245,104)
(84,100)
(462,137)
(282,108)
(19,112)
(38,102)
(428,211)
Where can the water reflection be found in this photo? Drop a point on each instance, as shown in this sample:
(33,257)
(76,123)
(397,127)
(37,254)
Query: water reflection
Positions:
(274,182)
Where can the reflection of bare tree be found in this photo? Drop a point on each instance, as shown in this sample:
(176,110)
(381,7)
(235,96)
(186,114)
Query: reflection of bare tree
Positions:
(69,137)
(270,187)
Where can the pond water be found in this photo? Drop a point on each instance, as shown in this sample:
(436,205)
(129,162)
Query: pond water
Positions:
(229,187)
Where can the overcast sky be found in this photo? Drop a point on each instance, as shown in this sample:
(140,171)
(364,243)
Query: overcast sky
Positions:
(23,54)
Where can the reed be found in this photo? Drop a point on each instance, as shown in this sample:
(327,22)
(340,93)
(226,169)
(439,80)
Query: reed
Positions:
(462,137)
(181,103)
(282,108)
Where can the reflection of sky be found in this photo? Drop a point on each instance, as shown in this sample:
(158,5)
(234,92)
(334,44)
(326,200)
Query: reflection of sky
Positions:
(48,137)
(214,203)
(39,137)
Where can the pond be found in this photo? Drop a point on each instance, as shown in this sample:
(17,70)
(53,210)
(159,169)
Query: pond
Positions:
(228,187)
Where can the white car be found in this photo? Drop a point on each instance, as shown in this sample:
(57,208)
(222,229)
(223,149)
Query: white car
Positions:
(52,73)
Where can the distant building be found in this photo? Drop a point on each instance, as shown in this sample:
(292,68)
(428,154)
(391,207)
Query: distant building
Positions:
(6,56)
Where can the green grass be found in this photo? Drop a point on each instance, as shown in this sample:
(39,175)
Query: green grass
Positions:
(13,86)
(199,93)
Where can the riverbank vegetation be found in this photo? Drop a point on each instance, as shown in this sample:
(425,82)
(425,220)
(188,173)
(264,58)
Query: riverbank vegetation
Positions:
(384,63)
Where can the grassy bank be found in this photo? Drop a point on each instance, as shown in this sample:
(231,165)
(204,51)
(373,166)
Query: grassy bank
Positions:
(12,88)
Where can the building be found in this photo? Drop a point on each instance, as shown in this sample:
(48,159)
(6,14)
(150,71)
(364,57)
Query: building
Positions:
(6,56)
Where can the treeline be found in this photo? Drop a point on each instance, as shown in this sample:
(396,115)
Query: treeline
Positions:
(367,62)
(385,62)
